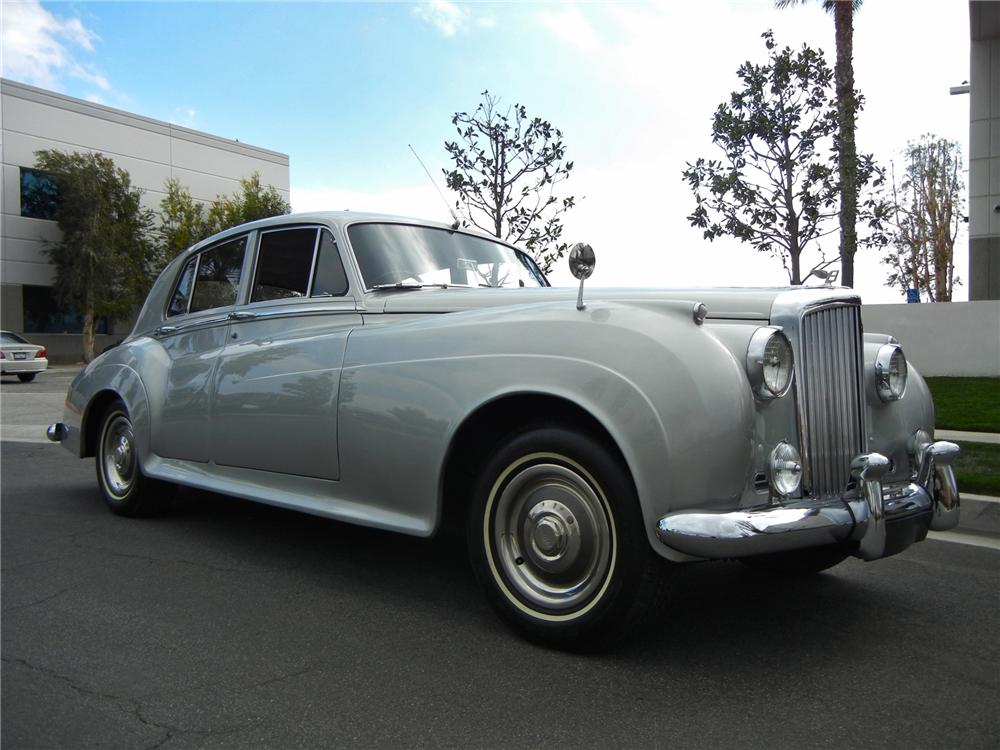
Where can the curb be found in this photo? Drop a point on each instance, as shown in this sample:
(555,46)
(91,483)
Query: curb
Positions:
(980,513)
(969,437)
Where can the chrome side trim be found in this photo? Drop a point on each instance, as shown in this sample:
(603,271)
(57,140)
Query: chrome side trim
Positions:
(192,325)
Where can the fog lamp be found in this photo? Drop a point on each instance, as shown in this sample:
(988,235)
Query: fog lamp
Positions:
(786,469)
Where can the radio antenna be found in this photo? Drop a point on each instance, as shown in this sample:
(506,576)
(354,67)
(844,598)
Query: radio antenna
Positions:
(454,216)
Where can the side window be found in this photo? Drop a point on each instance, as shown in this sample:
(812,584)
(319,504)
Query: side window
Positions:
(218,278)
(182,295)
(284,263)
(330,280)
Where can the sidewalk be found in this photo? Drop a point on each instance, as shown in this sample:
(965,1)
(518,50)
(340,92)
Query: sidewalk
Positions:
(980,519)
(969,437)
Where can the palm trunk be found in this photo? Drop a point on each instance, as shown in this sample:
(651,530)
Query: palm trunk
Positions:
(88,335)
(848,155)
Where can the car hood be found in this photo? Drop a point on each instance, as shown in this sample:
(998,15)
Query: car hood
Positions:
(722,303)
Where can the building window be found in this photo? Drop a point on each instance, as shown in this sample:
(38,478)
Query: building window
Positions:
(44,314)
(39,194)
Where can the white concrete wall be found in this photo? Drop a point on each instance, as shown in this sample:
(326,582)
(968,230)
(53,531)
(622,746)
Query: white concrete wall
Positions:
(151,151)
(947,338)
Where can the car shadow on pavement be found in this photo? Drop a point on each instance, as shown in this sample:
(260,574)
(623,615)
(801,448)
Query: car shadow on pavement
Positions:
(716,609)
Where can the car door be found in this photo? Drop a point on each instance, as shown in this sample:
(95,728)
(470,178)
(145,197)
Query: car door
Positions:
(192,336)
(276,390)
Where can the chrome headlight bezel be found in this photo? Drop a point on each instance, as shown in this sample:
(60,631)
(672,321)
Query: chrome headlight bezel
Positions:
(760,354)
(890,377)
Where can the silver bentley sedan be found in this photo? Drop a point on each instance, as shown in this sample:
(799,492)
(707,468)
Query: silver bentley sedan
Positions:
(409,375)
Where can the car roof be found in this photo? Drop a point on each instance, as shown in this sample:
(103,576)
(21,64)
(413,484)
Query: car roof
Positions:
(341,219)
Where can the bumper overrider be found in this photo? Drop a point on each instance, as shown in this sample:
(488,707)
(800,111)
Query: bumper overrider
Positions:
(876,523)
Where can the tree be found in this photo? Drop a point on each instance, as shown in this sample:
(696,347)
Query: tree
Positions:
(927,209)
(251,202)
(182,221)
(104,259)
(775,187)
(506,168)
(185,221)
(848,106)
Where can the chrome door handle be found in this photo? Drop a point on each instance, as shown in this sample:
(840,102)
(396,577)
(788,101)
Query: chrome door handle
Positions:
(164,330)
(242,316)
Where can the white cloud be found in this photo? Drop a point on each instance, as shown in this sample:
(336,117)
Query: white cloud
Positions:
(446,16)
(40,48)
(572,27)
(419,201)
(184,116)
(451,18)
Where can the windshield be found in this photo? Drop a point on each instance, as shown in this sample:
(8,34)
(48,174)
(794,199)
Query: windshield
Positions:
(409,256)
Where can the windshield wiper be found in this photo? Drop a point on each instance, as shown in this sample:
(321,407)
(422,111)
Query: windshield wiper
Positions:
(406,286)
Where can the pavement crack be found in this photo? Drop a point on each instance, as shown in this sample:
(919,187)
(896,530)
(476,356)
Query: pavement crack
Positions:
(176,561)
(65,679)
(134,707)
(281,678)
(44,599)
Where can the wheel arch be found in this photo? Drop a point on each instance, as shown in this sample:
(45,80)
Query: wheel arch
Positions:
(117,383)
(493,421)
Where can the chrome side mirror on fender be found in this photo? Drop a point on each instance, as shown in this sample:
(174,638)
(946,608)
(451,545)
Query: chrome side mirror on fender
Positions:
(581,264)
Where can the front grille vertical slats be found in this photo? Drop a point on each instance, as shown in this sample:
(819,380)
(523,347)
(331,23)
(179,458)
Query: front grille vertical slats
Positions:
(830,381)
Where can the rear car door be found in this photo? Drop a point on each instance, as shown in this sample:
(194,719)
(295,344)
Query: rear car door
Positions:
(192,336)
(276,390)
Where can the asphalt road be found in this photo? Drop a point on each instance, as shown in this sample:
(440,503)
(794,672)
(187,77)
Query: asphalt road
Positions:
(230,624)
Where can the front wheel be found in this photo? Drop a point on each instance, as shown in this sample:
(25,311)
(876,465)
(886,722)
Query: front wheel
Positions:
(557,541)
(126,490)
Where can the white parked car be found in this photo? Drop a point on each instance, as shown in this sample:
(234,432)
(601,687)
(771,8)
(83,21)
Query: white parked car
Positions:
(406,375)
(18,357)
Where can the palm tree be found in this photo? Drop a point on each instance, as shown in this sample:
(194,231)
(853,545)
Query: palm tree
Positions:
(847,107)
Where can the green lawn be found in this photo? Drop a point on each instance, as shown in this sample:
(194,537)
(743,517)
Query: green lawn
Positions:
(966,403)
(978,469)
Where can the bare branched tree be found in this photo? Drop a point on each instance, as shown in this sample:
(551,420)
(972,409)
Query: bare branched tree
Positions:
(506,168)
(927,209)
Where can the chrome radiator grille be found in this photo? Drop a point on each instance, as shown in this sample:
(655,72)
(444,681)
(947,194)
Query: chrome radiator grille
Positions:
(831,396)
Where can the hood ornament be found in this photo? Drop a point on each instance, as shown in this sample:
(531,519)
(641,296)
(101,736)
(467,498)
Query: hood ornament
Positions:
(827,277)
(581,264)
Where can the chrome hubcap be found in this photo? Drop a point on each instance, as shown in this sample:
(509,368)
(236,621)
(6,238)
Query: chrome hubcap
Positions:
(552,536)
(118,456)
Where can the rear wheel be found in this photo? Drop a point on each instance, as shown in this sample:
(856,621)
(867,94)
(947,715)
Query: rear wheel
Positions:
(556,539)
(26,377)
(799,562)
(126,490)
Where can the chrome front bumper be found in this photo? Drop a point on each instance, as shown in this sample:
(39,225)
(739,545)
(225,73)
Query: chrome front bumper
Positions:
(875,523)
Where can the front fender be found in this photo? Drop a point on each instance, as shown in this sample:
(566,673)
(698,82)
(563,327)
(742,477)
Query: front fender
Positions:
(673,398)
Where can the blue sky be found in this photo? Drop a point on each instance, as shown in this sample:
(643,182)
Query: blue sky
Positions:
(343,88)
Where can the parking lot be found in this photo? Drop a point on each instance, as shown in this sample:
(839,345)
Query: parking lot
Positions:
(230,624)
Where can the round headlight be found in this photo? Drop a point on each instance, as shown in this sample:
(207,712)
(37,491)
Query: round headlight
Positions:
(786,469)
(769,363)
(890,373)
